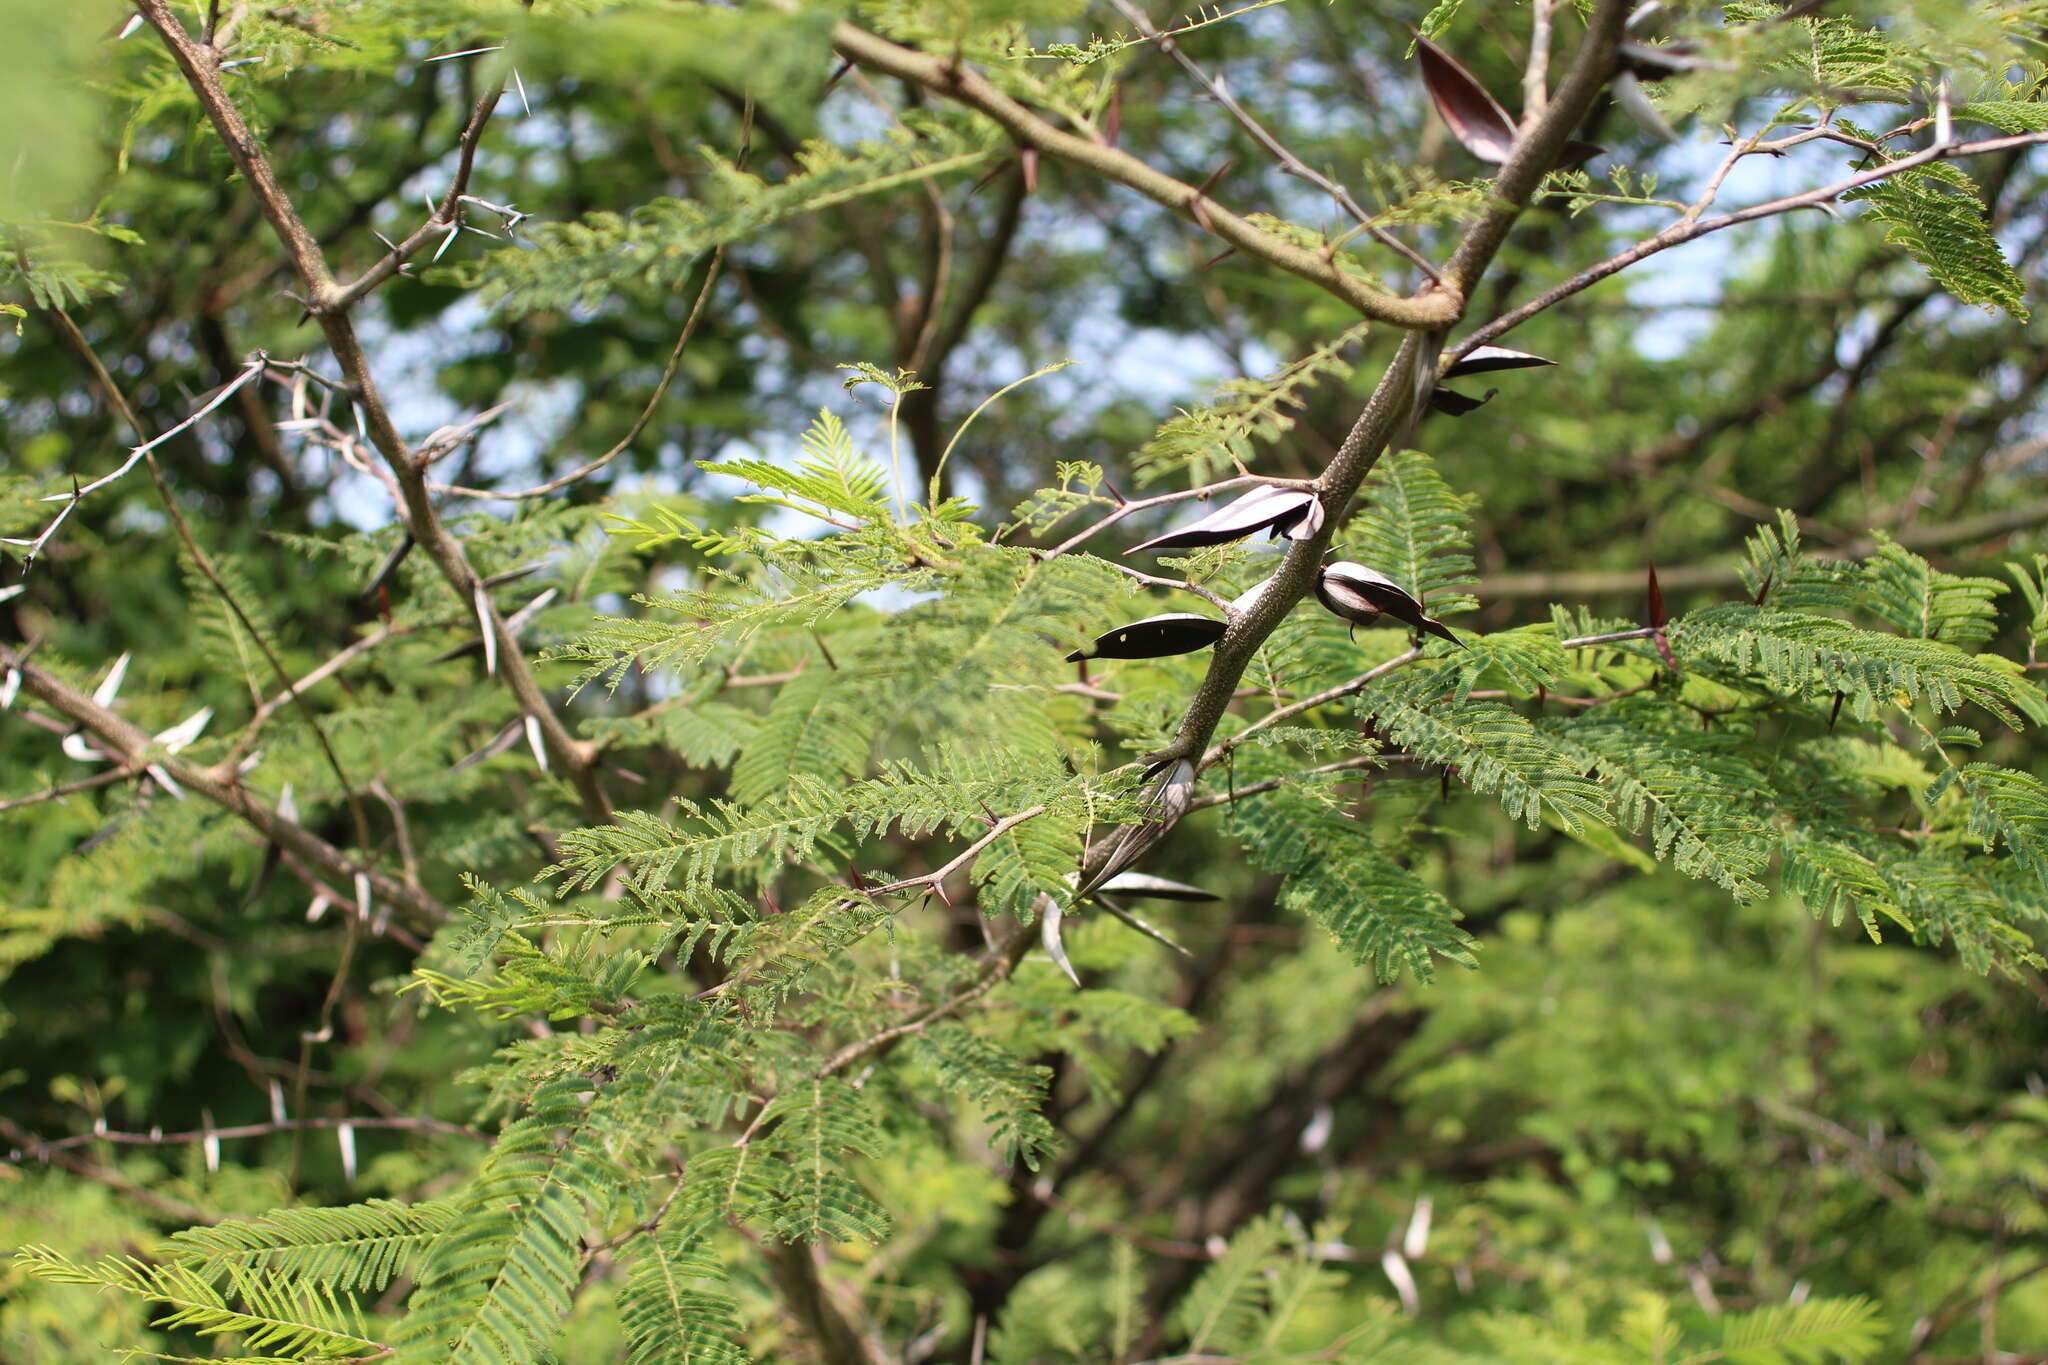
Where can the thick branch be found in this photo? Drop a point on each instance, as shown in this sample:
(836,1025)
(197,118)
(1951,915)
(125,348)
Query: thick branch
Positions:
(957,81)
(1388,410)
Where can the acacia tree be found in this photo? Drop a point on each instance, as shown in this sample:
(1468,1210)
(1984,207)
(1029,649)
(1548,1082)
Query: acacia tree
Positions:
(764,865)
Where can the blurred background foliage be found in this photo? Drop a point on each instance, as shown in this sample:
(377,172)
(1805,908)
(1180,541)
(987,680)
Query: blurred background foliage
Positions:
(1649,1102)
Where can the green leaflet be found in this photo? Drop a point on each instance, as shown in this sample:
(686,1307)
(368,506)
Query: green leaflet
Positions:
(1381,913)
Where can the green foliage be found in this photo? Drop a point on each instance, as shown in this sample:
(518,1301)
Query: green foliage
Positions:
(1934,214)
(1205,442)
(291,1318)
(675,1307)
(741,1025)
(1416,531)
(1379,912)
(657,247)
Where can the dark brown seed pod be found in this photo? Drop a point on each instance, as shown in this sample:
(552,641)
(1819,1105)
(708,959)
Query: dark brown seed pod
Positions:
(1487,359)
(1294,513)
(1474,117)
(1451,403)
(1354,593)
(1155,637)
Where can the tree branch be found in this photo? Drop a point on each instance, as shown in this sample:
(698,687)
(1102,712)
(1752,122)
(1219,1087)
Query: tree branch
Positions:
(1690,228)
(129,744)
(575,758)
(957,81)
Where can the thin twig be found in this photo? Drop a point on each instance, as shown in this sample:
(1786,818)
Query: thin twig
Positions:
(1690,229)
(668,373)
(1272,145)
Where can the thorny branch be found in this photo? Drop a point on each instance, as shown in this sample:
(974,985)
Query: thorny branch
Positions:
(330,305)
(130,745)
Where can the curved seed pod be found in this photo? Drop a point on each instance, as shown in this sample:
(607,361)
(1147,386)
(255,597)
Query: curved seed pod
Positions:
(1171,793)
(1487,359)
(1474,117)
(1451,403)
(1354,593)
(1155,637)
(1281,509)
(1305,526)
(1157,888)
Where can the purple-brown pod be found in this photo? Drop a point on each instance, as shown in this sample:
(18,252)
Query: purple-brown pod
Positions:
(1474,117)
(1482,360)
(1360,596)
(1155,637)
(1295,513)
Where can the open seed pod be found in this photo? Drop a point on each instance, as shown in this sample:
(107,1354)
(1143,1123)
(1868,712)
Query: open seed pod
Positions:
(1487,359)
(1292,512)
(1474,116)
(1173,787)
(1360,595)
(1155,637)
(1483,360)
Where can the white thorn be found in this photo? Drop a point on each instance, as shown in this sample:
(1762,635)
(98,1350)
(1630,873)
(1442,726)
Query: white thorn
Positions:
(1396,1266)
(345,1137)
(1050,913)
(110,686)
(484,623)
(277,1114)
(1417,1240)
(533,738)
(186,730)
